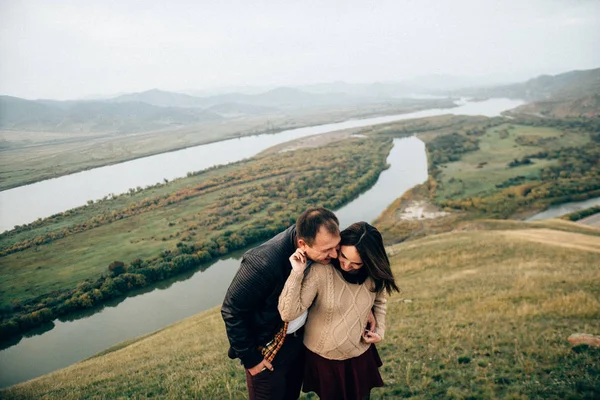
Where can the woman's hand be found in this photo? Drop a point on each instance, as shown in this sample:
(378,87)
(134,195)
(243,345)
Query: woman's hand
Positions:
(371,337)
(298,261)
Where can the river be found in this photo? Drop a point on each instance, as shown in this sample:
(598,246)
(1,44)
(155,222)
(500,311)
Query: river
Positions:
(150,309)
(565,208)
(27,203)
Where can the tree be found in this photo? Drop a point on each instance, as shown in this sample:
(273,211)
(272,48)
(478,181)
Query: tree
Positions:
(116,268)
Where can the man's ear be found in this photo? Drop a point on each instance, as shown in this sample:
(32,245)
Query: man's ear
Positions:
(302,244)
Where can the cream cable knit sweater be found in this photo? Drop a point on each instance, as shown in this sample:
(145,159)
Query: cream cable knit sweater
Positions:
(338,310)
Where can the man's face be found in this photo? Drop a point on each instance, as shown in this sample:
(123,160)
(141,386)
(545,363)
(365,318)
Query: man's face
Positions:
(324,248)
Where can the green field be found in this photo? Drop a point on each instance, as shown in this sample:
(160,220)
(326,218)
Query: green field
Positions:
(479,171)
(483,314)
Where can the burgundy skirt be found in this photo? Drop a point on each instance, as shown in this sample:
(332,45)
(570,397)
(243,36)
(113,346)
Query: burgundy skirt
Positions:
(350,379)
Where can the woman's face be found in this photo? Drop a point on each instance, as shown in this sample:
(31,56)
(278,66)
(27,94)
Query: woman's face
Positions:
(349,258)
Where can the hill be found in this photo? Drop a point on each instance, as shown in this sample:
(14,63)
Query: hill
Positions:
(284,97)
(483,314)
(93,116)
(160,98)
(587,106)
(230,110)
(156,109)
(567,86)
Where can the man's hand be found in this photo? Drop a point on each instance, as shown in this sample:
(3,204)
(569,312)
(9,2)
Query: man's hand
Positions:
(371,322)
(261,366)
(298,261)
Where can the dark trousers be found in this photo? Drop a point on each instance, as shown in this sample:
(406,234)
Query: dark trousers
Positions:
(285,381)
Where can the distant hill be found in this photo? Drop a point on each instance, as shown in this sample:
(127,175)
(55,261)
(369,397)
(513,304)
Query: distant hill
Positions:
(229,110)
(427,84)
(282,97)
(160,98)
(587,106)
(15,111)
(92,116)
(568,86)
(154,109)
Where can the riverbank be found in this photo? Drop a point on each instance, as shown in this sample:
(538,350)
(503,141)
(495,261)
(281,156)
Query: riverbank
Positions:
(30,157)
(313,141)
(478,310)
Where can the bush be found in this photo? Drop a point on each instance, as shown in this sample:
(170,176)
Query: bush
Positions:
(116,268)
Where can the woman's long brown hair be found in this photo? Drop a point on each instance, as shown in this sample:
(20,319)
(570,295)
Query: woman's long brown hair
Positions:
(369,244)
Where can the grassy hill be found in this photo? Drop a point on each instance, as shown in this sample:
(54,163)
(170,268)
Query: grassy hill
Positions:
(484,313)
(587,106)
(569,85)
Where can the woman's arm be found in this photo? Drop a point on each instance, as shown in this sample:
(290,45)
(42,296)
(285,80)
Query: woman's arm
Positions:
(379,310)
(298,293)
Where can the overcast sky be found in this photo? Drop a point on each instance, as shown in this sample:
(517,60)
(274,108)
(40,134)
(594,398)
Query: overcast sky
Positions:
(69,49)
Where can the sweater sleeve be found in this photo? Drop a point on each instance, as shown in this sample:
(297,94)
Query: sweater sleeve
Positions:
(298,294)
(379,311)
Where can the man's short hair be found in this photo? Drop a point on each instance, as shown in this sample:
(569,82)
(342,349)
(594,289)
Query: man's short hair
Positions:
(311,220)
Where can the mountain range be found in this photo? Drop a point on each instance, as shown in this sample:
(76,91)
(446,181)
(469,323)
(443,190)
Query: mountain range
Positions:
(94,116)
(567,86)
(158,109)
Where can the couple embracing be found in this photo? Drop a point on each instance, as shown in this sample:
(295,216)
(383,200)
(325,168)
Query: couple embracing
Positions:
(306,308)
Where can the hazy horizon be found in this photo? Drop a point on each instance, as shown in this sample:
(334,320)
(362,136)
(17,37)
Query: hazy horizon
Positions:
(68,49)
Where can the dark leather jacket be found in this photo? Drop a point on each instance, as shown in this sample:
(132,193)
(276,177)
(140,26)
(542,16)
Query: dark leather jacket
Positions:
(250,306)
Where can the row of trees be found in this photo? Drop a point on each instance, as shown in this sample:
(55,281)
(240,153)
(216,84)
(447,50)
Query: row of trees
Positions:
(449,148)
(581,214)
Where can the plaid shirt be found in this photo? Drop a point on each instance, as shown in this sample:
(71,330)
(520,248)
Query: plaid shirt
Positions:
(270,349)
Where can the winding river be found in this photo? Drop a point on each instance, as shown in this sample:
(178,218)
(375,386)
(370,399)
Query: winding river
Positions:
(68,341)
(27,203)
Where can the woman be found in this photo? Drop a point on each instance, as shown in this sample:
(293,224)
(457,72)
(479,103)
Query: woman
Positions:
(341,362)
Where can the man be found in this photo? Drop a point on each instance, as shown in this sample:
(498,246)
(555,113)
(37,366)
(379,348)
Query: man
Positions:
(270,350)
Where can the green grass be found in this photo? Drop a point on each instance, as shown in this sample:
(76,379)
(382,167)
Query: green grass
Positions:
(85,213)
(68,261)
(479,171)
(482,315)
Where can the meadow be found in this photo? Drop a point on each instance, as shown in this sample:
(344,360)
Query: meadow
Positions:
(478,172)
(484,313)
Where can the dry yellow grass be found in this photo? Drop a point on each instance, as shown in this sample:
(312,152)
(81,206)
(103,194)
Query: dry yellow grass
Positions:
(555,238)
(483,314)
